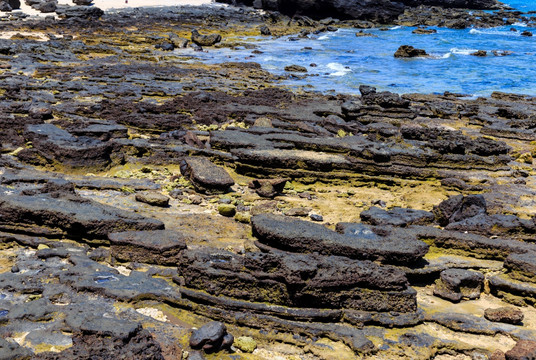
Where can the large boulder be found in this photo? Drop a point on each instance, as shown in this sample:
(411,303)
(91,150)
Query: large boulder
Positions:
(205,176)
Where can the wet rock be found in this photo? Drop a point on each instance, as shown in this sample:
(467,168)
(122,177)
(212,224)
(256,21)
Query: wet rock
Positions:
(459,207)
(424,31)
(159,247)
(507,315)
(83,2)
(526,33)
(211,337)
(205,40)
(153,198)
(295,68)
(524,350)
(396,216)
(205,176)
(268,187)
(455,284)
(480,53)
(56,144)
(64,213)
(301,236)
(265,30)
(408,51)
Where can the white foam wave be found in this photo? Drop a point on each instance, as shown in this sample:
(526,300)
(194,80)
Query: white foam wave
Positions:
(462,51)
(395,27)
(520,24)
(323,37)
(339,69)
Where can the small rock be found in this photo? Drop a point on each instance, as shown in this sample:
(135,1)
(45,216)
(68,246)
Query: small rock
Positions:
(152,198)
(316,217)
(507,315)
(408,51)
(246,344)
(379,202)
(480,53)
(455,284)
(497,355)
(265,30)
(300,211)
(196,199)
(263,122)
(524,350)
(211,337)
(268,187)
(295,68)
(15,269)
(227,210)
(526,33)
(205,40)
(423,31)
(243,217)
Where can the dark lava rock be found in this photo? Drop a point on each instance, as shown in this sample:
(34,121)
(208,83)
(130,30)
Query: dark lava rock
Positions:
(303,236)
(84,12)
(396,216)
(83,2)
(507,315)
(295,68)
(457,4)
(522,266)
(13,351)
(480,53)
(60,213)
(423,31)
(459,207)
(298,280)
(408,51)
(455,284)
(107,339)
(153,198)
(159,247)
(268,187)
(205,40)
(497,355)
(316,217)
(205,176)
(526,33)
(211,337)
(265,30)
(56,144)
(524,350)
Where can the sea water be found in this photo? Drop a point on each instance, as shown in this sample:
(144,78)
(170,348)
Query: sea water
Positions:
(341,61)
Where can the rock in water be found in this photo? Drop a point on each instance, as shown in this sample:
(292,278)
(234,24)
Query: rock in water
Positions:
(408,51)
(205,40)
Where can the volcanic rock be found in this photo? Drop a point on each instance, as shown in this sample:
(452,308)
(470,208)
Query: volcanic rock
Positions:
(211,337)
(455,284)
(408,51)
(205,40)
(205,176)
(507,315)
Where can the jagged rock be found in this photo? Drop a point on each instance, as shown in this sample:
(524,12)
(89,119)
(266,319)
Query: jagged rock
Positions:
(507,315)
(408,51)
(295,68)
(205,176)
(455,284)
(159,247)
(480,53)
(153,198)
(56,144)
(459,207)
(13,351)
(301,236)
(526,33)
(298,280)
(396,216)
(211,337)
(524,350)
(61,213)
(205,40)
(423,31)
(246,344)
(265,30)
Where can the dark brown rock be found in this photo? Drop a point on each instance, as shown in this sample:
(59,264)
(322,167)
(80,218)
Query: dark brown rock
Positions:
(524,350)
(456,284)
(507,315)
(408,51)
(211,337)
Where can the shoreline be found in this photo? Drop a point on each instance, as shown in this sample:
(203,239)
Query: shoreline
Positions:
(169,194)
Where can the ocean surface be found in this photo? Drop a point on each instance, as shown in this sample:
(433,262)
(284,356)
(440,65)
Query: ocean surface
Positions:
(342,61)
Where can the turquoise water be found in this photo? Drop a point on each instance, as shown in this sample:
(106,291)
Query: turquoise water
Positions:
(344,61)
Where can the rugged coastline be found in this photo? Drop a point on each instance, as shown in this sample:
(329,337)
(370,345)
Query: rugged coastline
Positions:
(144,194)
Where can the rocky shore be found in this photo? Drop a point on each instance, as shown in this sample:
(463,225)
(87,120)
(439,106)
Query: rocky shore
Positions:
(156,207)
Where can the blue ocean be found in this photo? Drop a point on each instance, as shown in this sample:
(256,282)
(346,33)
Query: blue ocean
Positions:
(340,61)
